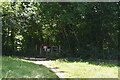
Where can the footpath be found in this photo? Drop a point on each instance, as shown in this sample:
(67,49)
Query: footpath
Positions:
(55,70)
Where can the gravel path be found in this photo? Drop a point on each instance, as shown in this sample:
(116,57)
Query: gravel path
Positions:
(45,63)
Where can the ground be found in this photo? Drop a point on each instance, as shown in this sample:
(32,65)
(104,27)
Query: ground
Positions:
(86,69)
(17,68)
(71,68)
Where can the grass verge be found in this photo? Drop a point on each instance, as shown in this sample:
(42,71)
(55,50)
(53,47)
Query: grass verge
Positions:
(85,69)
(17,68)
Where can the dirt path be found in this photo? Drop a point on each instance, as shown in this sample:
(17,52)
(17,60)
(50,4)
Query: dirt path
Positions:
(45,63)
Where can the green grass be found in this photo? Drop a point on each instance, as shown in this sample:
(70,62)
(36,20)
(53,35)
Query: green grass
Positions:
(0,66)
(17,68)
(88,69)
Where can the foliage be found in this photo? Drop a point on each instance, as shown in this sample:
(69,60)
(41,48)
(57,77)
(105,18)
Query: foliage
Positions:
(82,29)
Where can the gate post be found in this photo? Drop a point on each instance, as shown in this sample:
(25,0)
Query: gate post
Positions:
(40,50)
(51,49)
(59,48)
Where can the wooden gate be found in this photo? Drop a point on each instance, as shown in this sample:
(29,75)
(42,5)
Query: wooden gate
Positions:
(45,50)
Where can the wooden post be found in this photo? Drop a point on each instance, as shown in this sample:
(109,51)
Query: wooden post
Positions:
(36,47)
(59,48)
(51,49)
(40,50)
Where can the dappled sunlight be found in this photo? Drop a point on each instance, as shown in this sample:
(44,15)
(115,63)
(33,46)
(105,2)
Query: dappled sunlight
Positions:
(80,39)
